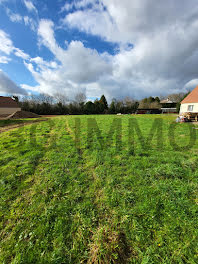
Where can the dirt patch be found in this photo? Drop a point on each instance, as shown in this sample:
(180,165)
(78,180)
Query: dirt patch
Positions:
(11,127)
(52,115)
(109,246)
(22,114)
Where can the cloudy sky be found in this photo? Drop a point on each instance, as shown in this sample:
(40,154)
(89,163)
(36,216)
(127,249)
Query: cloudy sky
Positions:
(118,48)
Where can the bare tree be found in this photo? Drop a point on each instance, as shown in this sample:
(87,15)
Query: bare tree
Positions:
(149,103)
(45,98)
(61,98)
(80,98)
(176,97)
(155,105)
(128,101)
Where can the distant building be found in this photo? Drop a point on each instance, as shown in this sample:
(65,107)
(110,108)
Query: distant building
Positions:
(148,111)
(8,106)
(190,103)
(168,106)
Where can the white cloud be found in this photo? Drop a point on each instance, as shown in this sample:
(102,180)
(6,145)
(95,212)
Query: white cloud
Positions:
(73,68)
(17,18)
(78,4)
(44,64)
(81,64)
(93,22)
(129,20)
(8,86)
(14,17)
(30,22)
(4,59)
(8,48)
(6,45)
(192,84)
(164,56)
(46,34)
(21,54)
(30,6)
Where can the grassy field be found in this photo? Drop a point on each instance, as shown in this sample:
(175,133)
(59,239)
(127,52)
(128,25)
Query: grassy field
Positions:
(84,190)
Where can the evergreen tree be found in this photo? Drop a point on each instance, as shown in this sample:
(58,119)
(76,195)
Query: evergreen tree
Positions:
(89,108)
(112,108)
(157,99)
(97,106)
(104,102)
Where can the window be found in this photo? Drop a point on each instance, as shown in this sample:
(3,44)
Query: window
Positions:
(190,107)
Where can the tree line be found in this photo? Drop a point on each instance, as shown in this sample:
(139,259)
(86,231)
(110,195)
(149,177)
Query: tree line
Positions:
(59,104)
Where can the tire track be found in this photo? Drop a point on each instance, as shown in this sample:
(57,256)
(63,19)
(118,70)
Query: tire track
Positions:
(12,127)
(108,242)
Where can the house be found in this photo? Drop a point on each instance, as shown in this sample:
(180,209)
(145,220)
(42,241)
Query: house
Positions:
(148,111)
(168,106)
(190,102)
(189,106)
(8,106)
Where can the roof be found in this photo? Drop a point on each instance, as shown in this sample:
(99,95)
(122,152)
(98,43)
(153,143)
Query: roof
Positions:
(192,97)
(8,102)
(148,109)
(167,101)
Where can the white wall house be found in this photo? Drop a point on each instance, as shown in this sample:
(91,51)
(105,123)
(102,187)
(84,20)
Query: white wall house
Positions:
(8,106)
(189,108)
(190,103)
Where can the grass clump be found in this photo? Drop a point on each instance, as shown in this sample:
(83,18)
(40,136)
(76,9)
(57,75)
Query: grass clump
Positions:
(109,245)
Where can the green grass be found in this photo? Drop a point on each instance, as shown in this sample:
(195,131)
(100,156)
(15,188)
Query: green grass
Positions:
(67,201)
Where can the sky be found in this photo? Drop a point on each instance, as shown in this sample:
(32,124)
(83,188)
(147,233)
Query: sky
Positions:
(117,48)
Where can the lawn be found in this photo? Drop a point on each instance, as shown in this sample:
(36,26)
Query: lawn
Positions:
(99,189)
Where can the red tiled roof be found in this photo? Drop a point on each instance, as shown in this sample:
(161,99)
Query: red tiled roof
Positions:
(192,97)
(8,102)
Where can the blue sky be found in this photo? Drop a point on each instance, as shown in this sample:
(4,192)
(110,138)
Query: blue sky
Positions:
(117,48)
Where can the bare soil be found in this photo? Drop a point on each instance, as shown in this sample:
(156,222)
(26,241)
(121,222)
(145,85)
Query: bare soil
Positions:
(13,126)
(23,114)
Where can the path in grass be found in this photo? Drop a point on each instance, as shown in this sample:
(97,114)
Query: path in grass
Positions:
(7,125)
(107,242)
